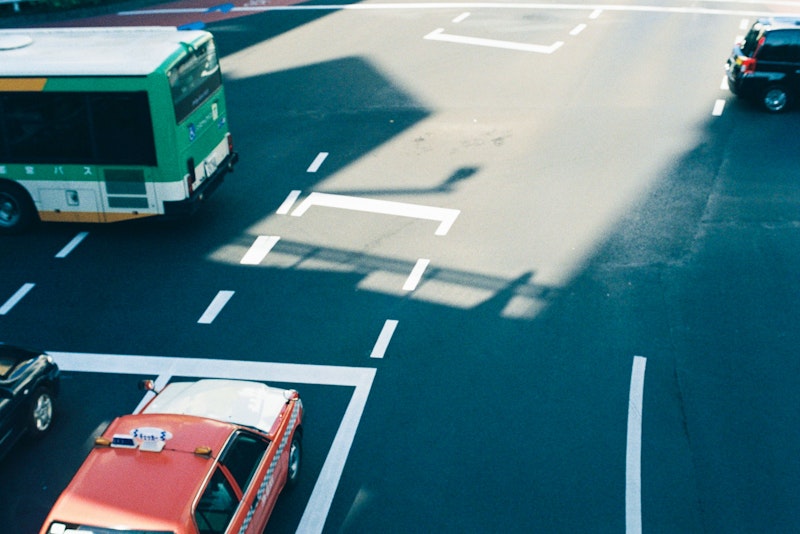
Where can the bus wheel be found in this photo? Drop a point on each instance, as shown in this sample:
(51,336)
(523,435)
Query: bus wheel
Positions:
(16,209)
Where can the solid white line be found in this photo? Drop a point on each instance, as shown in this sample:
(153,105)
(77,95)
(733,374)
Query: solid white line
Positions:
(633,462)
(482,5)
(416,275)
(287,204)
(315,165)
(259,250)
(439,35)
(724,84)
(719,105)
(462,17)
(72,244)
(445,216)
(129,364)
(16,297)
(596,13)
(383,339)
(215,307)
(577,29)
(318,506)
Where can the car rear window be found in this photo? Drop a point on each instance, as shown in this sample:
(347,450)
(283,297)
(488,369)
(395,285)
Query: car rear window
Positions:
(750,42)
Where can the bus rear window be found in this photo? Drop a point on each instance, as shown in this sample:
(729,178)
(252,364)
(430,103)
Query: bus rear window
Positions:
(194,79)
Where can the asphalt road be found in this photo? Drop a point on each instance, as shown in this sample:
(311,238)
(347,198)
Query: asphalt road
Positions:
(614,201)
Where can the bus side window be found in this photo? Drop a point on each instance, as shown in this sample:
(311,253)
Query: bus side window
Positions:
(50,127)
(123,128)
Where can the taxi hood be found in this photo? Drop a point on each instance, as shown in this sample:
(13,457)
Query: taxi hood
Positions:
(240,402)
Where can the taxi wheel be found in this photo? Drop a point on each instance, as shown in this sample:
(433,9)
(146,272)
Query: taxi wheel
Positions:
(295,455)
(40,415)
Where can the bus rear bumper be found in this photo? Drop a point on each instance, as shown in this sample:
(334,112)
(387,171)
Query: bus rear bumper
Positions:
(182,208)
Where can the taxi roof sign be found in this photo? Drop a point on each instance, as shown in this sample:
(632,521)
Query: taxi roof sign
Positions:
(150,439)
(123,441)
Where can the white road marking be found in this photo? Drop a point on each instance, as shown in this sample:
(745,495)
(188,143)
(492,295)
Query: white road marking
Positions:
(596,13)
(315,165)
(577,29)
(462,17)
(633,462)
(416,275)
(71,245)
(383,339)
(439,35)
(719,105)
(688,10)
(360,378)
(15,298)
(259,249)
(287,204)
(724,84)
(215,307)
(744,24)
(445,216)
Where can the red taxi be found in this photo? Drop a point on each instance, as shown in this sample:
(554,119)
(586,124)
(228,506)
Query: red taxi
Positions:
(201,457)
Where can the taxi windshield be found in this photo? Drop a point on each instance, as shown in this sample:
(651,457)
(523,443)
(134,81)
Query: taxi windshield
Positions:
(57,527)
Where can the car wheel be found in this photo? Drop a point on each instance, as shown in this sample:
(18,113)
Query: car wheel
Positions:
(775,99)
(16,209)
(295,456)
(40,415)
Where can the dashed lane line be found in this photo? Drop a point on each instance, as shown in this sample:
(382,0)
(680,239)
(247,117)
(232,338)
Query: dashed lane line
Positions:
(219,302)
(64,252)
(416,274)
(317,163)
(287,204)
(259,249)
(385,337)
(577,29)
(16,297)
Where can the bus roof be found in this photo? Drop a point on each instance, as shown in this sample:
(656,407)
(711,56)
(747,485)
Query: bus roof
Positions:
(110,51)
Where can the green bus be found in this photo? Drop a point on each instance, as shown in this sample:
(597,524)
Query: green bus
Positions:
(109,124)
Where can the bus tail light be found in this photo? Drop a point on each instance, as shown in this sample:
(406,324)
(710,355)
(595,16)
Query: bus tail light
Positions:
(190,177)
(230,144)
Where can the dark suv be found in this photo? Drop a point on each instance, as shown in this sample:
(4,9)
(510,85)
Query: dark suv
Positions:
(765,65)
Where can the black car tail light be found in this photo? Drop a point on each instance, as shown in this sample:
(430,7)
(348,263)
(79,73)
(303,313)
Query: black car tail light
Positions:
(748,65)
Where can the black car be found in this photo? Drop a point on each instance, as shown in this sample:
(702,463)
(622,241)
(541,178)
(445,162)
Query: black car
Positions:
(765,65)
(29,383)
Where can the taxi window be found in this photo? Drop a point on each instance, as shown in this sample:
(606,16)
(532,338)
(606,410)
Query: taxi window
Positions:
(243,456)
(57,527)
(217,505)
